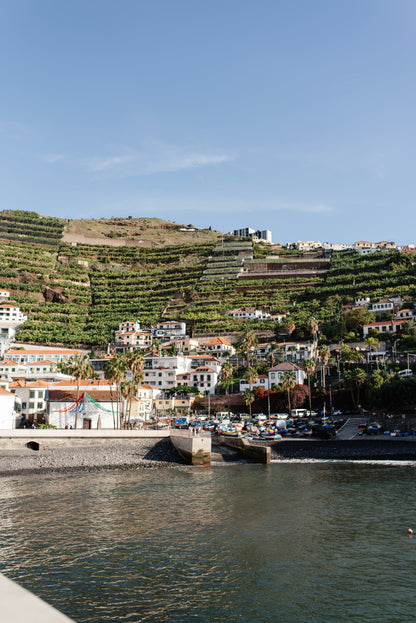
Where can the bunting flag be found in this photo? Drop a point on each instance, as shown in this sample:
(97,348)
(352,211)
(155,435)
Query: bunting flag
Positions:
(83,405)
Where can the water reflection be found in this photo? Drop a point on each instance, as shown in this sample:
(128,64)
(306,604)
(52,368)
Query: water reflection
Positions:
(303,542)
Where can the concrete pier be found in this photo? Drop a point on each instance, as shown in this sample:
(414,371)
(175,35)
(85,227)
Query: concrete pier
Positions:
(18,605)
(195,449)
(258,454)
(50,437)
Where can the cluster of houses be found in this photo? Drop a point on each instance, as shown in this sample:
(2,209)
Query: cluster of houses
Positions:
(363,247)
(33,391)
(391,316)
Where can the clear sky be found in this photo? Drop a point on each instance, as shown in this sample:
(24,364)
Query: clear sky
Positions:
(296,116)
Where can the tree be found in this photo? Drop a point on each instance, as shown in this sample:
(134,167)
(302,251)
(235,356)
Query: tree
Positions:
(289,326)
(135,362)
(248,398)
(288,383)
(313,327)
(80,368)
(227,372)
(275,354)
(373,344)
(356,318)
(248,341)
(309,366)
(115,370)
(352,380)
(324,354)
(251,376)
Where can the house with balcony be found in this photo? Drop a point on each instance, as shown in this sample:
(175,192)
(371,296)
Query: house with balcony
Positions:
(384,327)
(170,328)
(296,351)
(33,355)
(262,381)
(276,373)
(218,346)
(205,379)
(161,371)
(33,398)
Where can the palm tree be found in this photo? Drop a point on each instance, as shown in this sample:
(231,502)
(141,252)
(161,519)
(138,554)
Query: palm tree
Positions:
(324,354)
(135,361)
(373,344)
(80,368)
(251,376)
(288,383)
(352,380)
(227,372)
(115,370)
(248,342)
(248,398)
(309,366)
(274,348)
(313,327)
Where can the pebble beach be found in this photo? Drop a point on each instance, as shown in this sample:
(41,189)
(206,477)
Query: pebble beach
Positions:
(160,453)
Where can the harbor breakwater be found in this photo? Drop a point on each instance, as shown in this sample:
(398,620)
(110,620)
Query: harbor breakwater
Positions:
(71,451)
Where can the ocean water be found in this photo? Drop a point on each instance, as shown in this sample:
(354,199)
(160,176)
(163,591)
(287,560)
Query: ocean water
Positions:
(289,542)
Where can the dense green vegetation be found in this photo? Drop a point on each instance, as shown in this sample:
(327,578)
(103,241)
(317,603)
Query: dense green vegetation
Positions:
(79,293)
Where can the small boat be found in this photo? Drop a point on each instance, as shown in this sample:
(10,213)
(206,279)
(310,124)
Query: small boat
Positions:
(228,430)
(181,422)
(270,433)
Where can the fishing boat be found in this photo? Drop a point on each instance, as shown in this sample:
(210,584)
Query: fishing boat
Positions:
(227,430)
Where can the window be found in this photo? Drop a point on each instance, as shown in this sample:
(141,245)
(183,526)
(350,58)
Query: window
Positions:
(23,405)
(32,394)
(40,394)
(40,405)
(31,405)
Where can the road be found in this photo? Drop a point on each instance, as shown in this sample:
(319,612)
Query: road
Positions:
(350,429)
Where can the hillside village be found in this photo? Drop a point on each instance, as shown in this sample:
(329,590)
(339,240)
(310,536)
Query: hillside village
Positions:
(103,335)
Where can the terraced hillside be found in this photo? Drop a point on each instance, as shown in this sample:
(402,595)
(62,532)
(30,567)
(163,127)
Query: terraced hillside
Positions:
(79,293)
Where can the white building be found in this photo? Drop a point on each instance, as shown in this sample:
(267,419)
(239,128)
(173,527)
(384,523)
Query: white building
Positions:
(218,346)
(205,379)
(385,306)
(33,399)
(7,410)
(262,381)
(161,372)
(277,372)
(249,314)
(54,355)
(97,406)
(308,245)
(384,326)
(170,328)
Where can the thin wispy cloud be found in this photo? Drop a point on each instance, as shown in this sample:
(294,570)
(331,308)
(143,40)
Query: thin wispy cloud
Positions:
(102,164)
(52,158)
(155,158)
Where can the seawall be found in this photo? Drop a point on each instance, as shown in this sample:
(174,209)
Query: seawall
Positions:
(354,449)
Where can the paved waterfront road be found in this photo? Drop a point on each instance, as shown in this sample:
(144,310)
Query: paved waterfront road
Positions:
(350,428)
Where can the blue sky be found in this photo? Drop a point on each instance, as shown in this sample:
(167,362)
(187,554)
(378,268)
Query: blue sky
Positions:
(296,116)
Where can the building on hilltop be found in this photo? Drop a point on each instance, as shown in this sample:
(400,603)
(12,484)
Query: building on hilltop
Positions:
(255,234)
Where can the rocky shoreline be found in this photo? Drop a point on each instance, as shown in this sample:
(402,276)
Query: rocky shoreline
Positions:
(160,453)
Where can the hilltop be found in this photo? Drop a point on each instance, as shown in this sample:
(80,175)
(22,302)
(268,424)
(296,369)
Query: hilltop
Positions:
(142,232)
(77,293)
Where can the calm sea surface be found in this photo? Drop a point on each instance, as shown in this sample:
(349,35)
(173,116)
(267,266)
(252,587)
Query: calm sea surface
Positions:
(310,542)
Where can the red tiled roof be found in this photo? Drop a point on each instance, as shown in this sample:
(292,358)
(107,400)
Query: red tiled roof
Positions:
(285,365)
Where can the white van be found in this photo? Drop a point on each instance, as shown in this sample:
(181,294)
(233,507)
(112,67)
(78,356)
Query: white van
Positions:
(405,373)
(299,412)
